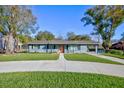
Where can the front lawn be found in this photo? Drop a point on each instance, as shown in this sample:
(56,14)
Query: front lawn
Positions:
(58,80)
(28,56)
(114,55)
(86,57)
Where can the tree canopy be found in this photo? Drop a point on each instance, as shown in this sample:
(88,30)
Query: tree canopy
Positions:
(25,38)
(60,37)
(44,35)
(73,36)
(16,20)
(105,20)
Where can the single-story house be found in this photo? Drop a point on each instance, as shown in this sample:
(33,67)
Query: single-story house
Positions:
(118,45)
(63,46)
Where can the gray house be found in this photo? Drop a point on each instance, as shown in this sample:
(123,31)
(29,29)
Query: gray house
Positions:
(63,46)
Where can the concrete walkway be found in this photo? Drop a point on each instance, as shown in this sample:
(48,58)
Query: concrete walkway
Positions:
(108,57)
(63,65)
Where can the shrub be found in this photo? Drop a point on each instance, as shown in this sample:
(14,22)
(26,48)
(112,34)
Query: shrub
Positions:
(117,52)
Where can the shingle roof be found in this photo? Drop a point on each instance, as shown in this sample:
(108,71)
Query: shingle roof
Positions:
(63,42)
(119,45)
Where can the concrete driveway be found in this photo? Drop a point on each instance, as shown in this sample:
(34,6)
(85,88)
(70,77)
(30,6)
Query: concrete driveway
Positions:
(108,57)
(63,65)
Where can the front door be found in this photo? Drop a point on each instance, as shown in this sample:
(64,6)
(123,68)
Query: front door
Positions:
(61,48)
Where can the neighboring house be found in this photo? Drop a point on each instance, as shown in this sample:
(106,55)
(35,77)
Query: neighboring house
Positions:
(63,46)
(119,45)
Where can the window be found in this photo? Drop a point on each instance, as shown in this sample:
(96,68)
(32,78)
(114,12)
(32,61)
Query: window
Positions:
(38,46)
(78,47)
(35,47)
(54,47)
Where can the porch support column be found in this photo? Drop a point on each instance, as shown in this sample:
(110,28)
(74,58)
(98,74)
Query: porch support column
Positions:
(46,48)
(51,46)
(96,49)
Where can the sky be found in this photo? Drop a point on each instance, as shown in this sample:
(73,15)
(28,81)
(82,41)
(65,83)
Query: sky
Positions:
(61,19)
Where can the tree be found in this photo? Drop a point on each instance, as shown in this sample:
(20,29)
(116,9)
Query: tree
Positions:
(45,35)
(105,20)
(60,37)
(73,36)
(15,20)
(85,37)
(25,38)
(97,36)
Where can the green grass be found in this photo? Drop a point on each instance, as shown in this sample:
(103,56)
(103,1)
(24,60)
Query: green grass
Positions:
(114,55)
(58,80)
(86,57)
(28,56)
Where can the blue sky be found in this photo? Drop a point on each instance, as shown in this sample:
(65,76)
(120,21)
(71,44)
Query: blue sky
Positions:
(62,19)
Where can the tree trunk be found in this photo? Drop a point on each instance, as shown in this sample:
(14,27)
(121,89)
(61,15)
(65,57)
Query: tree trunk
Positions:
(106,44)
(9,44)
